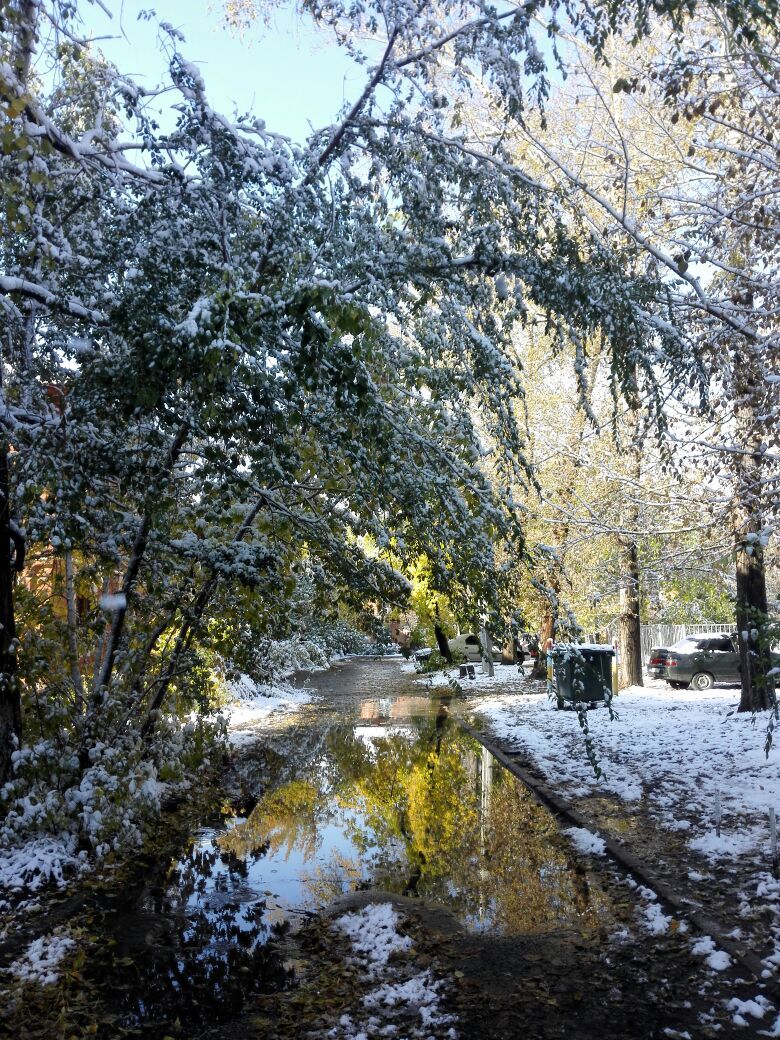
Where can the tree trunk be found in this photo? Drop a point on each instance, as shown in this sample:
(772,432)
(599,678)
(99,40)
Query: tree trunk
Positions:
(442,644)
(755,656)
(25,38)
(10,698)
(72,626)
(547,633)
(629,631)
(25,33)
(509,650)
(487,653)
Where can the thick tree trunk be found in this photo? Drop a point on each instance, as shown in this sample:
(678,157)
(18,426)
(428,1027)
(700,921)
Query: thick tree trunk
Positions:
(442,644)
(629,631)
(10,698)
(755,657)
(487,652)
(758,688)
(547,632)
(25,33)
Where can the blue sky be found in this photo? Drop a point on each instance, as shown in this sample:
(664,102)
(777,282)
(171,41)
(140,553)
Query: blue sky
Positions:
(287,72)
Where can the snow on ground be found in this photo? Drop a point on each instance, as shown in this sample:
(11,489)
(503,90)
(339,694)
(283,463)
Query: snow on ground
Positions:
(686,758)
(586,841)
(41,959)
(503,674)
(436,679)
(373,932)
(717,959)
(686,752)
(256,702)
(745,1009)
(397,994)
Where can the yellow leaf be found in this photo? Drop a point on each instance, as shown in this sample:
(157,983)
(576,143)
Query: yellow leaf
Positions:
(17,106)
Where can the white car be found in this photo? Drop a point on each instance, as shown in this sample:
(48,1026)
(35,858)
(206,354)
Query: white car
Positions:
(469,646)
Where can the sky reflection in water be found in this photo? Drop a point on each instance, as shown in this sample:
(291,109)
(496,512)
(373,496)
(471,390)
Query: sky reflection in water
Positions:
(418,808)
(398,798)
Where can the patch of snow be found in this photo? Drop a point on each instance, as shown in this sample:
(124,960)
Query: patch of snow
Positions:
(41,959)
(437,679)
(656,921)
(755,1008)
(373,932)
(421,992)
(717,959)
(255,702)
(680,825)
(586,841)
(504,675)
(401,1002)
(725,845)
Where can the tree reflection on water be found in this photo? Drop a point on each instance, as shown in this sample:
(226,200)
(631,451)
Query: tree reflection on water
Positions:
(424,810)
(194,946)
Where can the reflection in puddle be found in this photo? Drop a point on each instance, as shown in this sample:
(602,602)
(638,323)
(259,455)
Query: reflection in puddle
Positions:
(419,809)
(397,797)
(194,946)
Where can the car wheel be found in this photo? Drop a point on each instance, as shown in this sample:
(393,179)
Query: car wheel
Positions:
(702,681)
(681,685)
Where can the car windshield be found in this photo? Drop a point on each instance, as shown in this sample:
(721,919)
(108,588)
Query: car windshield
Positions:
(688,645)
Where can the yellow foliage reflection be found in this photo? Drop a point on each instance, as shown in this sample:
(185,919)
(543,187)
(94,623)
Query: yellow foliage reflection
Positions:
(412,801)
(283,820)
(425,811)
(531,882)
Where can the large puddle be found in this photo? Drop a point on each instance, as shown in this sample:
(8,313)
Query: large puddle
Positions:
(391,794)
(417,808)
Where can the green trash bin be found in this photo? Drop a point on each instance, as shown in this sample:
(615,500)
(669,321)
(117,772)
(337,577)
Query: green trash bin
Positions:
(583,674)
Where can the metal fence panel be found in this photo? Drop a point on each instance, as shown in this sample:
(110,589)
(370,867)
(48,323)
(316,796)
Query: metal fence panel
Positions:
(665,635)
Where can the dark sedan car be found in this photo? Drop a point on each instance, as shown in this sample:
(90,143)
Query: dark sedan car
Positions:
(697,661)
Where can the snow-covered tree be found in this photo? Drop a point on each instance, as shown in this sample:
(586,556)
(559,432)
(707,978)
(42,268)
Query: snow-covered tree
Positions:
(223,352)
(668,153)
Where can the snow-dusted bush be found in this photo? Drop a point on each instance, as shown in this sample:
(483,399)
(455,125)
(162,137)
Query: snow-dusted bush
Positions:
(59,817)
(279,658)
(338,638)
(323,642)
